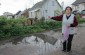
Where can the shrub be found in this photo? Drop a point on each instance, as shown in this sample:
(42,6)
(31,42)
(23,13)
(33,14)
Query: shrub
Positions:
(17,27)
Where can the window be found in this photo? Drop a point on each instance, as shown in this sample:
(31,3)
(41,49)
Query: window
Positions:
(46,11)
(53,3)
(31,14)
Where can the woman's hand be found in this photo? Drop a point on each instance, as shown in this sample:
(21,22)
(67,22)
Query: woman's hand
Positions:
(49,17)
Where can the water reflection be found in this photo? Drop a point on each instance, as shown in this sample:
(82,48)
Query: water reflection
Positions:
(33,39)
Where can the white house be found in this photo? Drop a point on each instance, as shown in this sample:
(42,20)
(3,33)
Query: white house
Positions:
(8,15)
(24,13)
(18,14)
(45,9)
(78,5)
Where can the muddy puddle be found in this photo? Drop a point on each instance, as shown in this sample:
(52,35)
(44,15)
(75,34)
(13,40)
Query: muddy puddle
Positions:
(36,44)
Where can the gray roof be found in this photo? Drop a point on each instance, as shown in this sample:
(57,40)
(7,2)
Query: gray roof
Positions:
(18,12)
(29,9)
(78,2)
(39,5)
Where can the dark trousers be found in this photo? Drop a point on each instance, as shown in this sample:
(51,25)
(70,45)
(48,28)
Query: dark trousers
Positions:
(67,44)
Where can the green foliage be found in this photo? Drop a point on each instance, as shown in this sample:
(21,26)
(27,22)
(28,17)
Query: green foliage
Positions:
(47,25)
(78,17)
(10,28)
(80,20)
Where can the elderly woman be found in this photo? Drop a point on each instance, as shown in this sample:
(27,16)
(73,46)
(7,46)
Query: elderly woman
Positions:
(69,22)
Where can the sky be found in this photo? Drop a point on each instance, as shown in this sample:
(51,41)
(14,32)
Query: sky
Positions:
(14,6)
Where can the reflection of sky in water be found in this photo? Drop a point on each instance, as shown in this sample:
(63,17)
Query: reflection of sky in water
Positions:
(44,47)
(33,42)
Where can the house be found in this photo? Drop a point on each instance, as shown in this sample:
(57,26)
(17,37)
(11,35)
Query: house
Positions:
(8,15)
(45,9)
(78,5)
(24,13)
(18,14)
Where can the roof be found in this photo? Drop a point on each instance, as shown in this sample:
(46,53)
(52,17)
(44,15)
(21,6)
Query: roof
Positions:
(78,2)
(39,4)
(29,9)
(7,13)
(58,3)
(18,12)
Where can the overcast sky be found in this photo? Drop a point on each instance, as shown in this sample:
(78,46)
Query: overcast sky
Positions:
(15,5)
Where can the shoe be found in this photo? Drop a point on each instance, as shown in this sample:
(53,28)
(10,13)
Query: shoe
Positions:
(69,51)
(64,50)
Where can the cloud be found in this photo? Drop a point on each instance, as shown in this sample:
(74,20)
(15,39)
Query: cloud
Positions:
(66,2)
(15,5)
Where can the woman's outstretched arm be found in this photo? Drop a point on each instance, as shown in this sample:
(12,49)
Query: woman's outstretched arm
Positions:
(57,18)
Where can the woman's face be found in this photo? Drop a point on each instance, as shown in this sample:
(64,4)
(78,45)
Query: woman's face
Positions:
(68,11)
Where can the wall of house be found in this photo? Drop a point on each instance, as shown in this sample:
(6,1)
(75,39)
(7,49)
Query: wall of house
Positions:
(18,15)
(9,17)
(49,8)
(37,14)
(74,8)
(32,14)
(79,7)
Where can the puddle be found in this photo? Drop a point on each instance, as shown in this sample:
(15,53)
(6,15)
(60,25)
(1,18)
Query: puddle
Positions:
(35,45)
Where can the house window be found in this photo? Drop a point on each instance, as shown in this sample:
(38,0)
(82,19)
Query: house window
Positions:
(53,3)
(46,11)
(31,14)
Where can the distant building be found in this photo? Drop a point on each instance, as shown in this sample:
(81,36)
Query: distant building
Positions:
(18,14)
(8,15)
(45,9)
(78,5)
(24,13)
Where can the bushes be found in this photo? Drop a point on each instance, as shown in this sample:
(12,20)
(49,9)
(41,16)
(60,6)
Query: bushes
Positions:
(80,20)
(11,27)
(47,25)
(16,27)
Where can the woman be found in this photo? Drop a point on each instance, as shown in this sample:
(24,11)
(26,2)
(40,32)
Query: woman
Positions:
(69,22)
